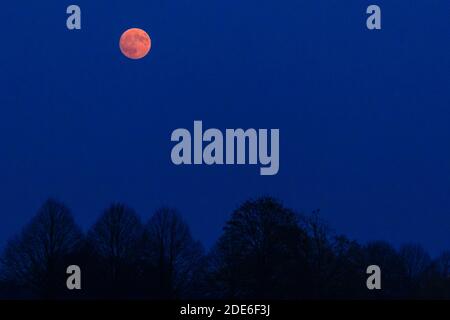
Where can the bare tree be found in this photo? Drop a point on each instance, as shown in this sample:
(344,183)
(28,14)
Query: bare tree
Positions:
(116,239)
(384,255)
(320,253)
(261,253)
(172,251)
(35,258)
(436,282)
(416,260)
(442,263)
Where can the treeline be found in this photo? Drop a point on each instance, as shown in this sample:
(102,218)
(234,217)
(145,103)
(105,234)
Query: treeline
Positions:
(266,251)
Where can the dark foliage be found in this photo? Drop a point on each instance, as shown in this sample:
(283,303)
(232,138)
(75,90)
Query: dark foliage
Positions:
(36,258)
(266,251)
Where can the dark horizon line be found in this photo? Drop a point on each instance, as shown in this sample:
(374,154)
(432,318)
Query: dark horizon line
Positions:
(144,220)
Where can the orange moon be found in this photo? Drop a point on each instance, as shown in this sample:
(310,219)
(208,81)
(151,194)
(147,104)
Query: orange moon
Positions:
(135,43)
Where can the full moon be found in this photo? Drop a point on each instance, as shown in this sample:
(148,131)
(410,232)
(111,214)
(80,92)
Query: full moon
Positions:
(135,43)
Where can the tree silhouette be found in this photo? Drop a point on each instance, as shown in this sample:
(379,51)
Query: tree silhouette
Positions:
(319,253)
(442,264)
(116,242)
(35,258)
(394,272)
(266,251)
(435,280)
(416,260)
(345,273)
(261,253)
(172,253)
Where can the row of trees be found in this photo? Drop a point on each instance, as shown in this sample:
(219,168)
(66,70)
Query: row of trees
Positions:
(265,251)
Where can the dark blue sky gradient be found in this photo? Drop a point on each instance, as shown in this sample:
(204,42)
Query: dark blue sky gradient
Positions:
(364,117)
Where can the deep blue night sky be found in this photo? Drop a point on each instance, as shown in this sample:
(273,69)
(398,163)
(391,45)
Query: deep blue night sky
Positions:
(364,116)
